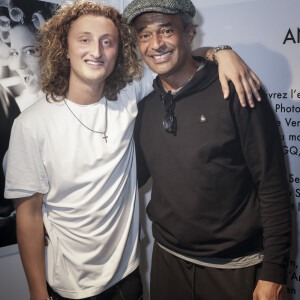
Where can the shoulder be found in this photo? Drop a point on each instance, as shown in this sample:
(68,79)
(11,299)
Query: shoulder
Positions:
(138,89)
(38,112)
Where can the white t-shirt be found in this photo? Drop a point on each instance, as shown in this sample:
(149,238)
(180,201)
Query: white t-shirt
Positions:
(27,98)
(90,202)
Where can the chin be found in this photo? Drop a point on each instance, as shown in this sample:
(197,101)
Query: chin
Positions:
(161,72)
(160,69)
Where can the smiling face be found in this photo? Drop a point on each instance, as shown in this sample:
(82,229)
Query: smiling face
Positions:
(93,43)
(23,56)
(164,45)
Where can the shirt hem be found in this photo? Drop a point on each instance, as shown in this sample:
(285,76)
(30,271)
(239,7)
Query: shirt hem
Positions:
(93,292)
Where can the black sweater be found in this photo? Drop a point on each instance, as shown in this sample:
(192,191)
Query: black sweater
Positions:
(219,185)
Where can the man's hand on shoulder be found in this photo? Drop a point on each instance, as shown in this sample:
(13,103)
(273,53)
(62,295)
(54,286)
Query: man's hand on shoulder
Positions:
(266,290)
(233,68)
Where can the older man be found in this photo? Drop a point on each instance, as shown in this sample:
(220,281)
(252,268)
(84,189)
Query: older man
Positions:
(220,201)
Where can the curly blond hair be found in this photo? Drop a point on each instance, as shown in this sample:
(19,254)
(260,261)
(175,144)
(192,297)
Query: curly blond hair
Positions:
(53,48)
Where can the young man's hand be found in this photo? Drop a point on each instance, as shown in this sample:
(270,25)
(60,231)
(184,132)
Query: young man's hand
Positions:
(232,67)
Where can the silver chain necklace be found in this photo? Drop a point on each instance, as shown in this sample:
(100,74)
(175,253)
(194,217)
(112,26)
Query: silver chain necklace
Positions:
(95,131)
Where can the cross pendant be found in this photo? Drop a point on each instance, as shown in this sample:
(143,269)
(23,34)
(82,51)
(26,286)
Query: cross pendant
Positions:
(105,137)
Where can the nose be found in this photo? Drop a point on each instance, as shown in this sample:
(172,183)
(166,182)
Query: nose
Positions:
(157,43)
(96,50)
(21,61)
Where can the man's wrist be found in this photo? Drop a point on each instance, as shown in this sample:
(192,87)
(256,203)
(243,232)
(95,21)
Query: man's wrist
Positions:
(218,48)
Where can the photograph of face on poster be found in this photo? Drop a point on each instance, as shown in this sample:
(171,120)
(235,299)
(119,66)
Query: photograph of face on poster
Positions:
(19,82)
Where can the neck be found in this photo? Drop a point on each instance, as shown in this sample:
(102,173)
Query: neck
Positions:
(85,94)
(174,81)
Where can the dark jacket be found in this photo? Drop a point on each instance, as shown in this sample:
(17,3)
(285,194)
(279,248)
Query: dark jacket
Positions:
(219,185)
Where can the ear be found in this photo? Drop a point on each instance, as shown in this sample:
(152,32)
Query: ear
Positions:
(191,34)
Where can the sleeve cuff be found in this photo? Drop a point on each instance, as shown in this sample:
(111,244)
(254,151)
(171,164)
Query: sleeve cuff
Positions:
(274,273)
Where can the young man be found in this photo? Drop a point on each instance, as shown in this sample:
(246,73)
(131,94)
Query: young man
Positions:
(71,160)
(220,199)
(76,170)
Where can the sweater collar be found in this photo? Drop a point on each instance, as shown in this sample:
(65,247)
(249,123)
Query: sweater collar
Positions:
(206,75)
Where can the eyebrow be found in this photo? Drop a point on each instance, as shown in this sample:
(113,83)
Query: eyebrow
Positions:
(29,46)
(105,35)
(84,33)
(139,30)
